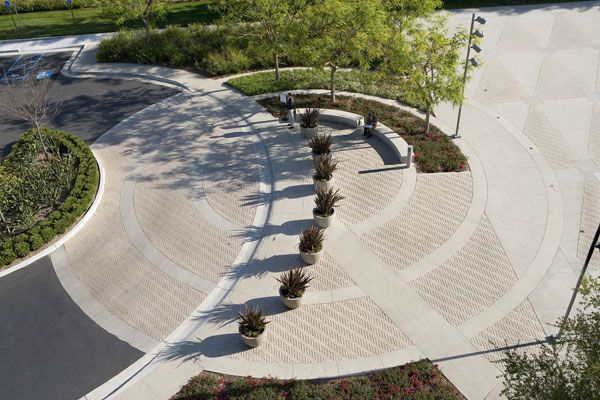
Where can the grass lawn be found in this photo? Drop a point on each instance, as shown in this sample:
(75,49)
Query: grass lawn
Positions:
(419,380)
(434,151)
(91,20)
(350,81)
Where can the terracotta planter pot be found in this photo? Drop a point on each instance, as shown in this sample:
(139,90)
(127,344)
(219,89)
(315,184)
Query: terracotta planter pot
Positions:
(290,302)
(311,258)
(308,132)
(323,222)
(252,341)
(323,185)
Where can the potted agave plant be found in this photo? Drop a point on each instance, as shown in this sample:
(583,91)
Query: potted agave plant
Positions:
(309,120)
(320,145)
(325,204)
(324,166)
(252,325)
(293,285)
(311,244)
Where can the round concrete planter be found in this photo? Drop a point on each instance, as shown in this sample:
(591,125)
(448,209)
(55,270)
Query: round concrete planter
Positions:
(308,132)
(311,258)
(252,341)
(323,185)
(323,222)
(290,302)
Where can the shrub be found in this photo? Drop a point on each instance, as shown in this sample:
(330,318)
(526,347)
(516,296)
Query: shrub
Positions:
(67,189)
(320,144)
(326,201)
(24,6)
(324,167)
(311,239)
(309,118)
(294,283)
(22,249)
(252,322)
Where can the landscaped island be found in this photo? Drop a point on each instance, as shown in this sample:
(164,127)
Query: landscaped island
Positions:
(47,182)
(419,380)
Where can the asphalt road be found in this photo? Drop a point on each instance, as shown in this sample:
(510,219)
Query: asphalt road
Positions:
(90,106)
(49,348)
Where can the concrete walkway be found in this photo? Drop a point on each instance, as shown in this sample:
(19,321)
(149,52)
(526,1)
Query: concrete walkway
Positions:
(206,193)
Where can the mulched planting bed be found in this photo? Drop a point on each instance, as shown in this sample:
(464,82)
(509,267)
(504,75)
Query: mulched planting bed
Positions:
(419,380)
(434,151)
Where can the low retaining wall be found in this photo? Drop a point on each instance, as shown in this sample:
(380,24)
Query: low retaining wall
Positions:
(403,150)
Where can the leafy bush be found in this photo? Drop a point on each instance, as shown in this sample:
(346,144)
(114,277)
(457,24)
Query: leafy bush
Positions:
(434,152)
(24,6)
(418,380)
(324,167)
(49,196)
(211,50)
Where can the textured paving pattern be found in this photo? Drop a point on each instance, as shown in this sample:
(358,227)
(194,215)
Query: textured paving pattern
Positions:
(594,146)
(366,192)
(548,139)
(231,176)
(519,326)
(472,279)
(434,212)
(590,217)
(498,85)
(559,79)
(568,33)
(172,223)
(314,333)
(328,275)
(522,34)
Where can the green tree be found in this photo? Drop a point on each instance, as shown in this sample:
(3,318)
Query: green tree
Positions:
(269,23)
(342,33)
(148,11)
(567,369)
(429,59)
(412,8)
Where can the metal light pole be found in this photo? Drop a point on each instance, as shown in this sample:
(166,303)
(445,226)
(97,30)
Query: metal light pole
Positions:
(594,245)
(468,60)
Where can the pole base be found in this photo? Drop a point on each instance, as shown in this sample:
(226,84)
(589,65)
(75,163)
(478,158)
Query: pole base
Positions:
(455,136)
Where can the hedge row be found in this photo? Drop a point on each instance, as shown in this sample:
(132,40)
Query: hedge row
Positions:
(75,205)
(24,6)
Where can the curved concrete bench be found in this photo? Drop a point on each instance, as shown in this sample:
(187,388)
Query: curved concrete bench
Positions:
(403,150)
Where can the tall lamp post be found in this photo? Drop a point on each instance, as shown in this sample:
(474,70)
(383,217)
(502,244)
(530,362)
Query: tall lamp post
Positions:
(593,246)
(468,60)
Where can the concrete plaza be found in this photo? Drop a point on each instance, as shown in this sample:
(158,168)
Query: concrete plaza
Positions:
(205,194)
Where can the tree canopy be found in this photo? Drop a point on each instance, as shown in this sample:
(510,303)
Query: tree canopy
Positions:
(149,11)
(567,369)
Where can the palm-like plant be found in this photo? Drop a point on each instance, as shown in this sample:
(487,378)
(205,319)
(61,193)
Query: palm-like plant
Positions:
(309,118)
(326,201)
(324,166)
(320,144)
(252,322)
(294,283)
(311,239)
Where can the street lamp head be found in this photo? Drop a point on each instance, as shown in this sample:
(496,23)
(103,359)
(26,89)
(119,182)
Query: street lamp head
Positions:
(478,33)
(481,20)
(474,62)
(476,48)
